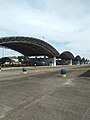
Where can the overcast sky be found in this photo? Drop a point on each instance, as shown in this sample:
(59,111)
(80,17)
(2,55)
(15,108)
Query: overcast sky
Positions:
(65,24)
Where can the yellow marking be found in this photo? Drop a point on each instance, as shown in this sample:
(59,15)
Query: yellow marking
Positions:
(24,73)
(59,75)
(64,75)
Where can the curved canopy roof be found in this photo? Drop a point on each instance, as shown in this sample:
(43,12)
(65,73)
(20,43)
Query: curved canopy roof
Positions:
(29,46)
(83,59)
(66,55)
(77,58)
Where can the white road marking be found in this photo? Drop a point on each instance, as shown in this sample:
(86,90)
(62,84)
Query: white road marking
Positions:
(69,82)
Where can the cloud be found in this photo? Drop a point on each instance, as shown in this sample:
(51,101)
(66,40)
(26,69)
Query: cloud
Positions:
(64,24)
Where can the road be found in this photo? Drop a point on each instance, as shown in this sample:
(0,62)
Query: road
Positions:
(44,95)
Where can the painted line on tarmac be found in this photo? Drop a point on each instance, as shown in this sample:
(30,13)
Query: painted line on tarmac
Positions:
(69,82)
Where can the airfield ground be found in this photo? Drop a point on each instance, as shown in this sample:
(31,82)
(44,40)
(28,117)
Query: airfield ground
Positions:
(43,95)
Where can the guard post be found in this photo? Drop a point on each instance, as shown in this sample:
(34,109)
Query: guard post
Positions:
(63,73)
(24,70)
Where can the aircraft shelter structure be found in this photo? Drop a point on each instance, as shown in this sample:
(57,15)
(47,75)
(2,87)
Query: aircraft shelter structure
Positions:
(67,56)
(29,46)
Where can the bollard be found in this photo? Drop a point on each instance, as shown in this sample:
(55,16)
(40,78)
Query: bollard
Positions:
(63,73)
(24,70)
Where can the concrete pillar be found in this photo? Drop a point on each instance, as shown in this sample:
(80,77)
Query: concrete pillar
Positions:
(36,57)
(45,60)
(78,63)
(54,61)
(70,62)
(82,63)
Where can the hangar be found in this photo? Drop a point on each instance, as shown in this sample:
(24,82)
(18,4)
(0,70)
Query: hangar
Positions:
(30,46)
(67,56)
(77,59)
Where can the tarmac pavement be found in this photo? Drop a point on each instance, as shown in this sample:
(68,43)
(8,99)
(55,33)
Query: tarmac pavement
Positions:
(44,95)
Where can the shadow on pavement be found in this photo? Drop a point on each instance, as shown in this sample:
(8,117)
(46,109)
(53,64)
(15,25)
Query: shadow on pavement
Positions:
(86,74)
